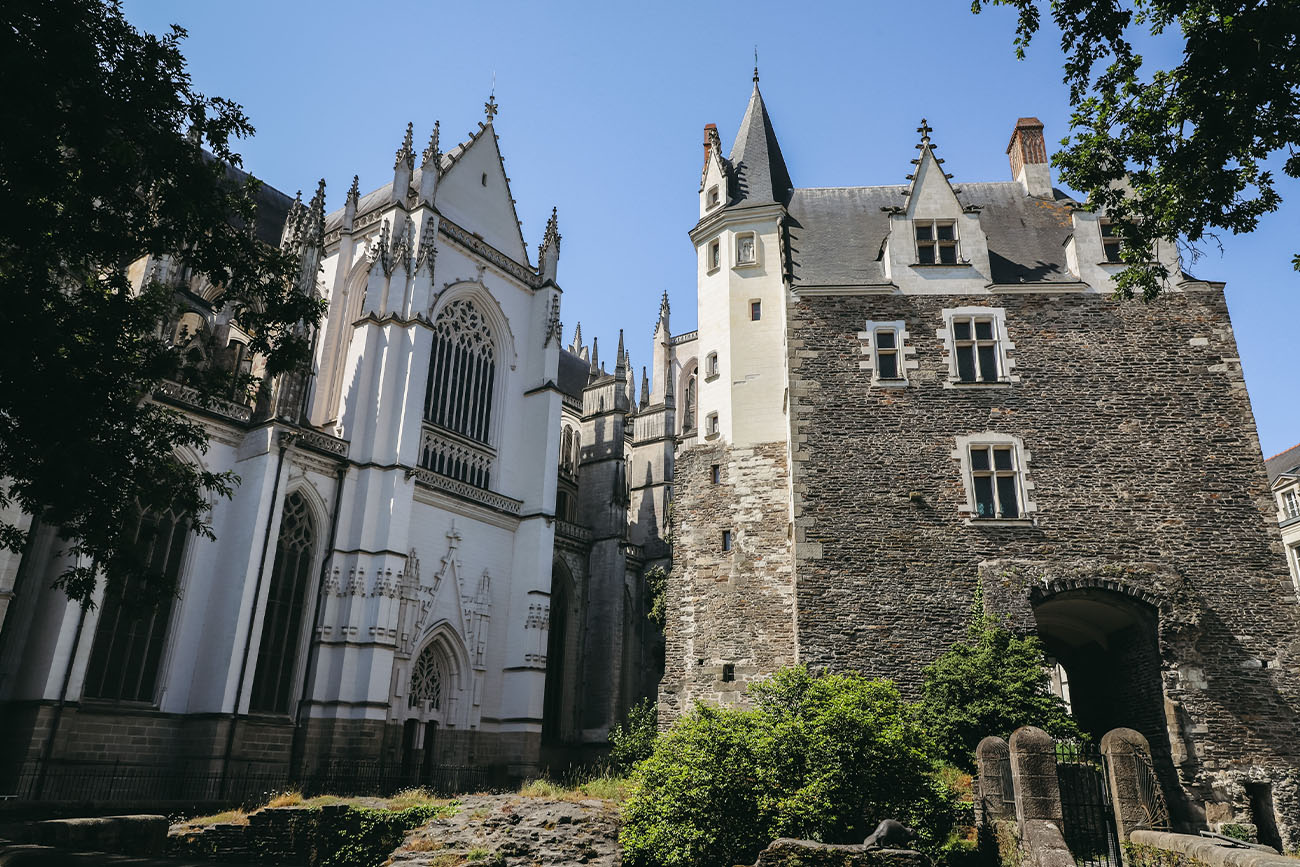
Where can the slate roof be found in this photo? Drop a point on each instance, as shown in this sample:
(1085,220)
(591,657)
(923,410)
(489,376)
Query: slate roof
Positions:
(272,205)
(836,233)
(573,374)
(758,169)
(1284,462)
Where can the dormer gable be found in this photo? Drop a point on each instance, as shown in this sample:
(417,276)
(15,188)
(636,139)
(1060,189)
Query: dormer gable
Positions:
(933,229)
(715,176)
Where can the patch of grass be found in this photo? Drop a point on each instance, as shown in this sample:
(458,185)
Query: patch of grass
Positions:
(291,798)
(478,853)
(417,797)
(229,817)
(424,844)
(605,788)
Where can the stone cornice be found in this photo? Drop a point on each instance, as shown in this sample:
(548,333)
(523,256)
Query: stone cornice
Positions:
(485,251)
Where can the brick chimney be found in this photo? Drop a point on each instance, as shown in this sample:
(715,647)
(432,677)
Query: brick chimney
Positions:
(1029,158)
(707,138)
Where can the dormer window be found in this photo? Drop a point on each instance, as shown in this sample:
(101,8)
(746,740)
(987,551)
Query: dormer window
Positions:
(1291,504)
(746,249)
(711,198)
(936,242)
(1111,244)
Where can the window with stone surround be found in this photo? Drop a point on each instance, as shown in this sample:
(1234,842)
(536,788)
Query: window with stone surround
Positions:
(888,352)
(1111,244)
(711,365)
(1291,504)
(714,260)
(711,424)
(728,672)
(755,310)
(712,198)
(936,242)
(994,473)
(976,346)
(126,655)
(726,540)
(715,474)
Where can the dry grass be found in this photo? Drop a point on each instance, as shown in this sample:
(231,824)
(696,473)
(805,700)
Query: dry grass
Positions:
(423,844)
(958,781)
(600,788)
(229,817)
(291,798)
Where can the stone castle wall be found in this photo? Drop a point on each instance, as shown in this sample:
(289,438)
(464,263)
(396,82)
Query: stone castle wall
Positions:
(731,608)
(1147,475)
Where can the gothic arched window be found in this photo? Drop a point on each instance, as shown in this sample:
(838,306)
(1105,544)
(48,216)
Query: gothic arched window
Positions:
(566,450)
(128,645)
(282,623)
(462,372)
(428,677)
(688,410)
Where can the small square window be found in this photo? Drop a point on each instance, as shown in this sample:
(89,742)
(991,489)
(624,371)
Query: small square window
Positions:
(726,540)
(711,364)
(728,672)
(715,473)
(711,424)
(746,249)
(711,198)
(755,311)
(1111,244)
(715,255)
(936,242)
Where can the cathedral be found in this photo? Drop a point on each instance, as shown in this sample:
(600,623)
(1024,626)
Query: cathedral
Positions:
(900,398)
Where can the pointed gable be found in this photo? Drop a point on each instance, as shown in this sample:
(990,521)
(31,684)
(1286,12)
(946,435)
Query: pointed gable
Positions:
(930,194)
(759,171)
(474,192)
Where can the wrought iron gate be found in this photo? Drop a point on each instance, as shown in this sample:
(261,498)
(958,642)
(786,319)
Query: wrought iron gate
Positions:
(1086,809)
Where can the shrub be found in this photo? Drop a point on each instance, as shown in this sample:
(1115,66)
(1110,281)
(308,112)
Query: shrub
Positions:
(823,757)
(633,740)
(364,837)
(991,683)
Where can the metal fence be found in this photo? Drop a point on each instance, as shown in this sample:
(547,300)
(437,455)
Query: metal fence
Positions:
(240,784)
(1088,819)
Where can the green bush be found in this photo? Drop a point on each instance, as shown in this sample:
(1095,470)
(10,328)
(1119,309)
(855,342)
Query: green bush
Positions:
(992,683)
(633,740)
(364,837)
(822,757)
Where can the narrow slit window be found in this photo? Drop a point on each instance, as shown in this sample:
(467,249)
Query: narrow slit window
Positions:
(715,473)
(755,311)
(726,540)
(715,255)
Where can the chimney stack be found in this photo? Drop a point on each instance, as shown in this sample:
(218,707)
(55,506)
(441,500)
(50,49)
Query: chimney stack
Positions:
(1028,154)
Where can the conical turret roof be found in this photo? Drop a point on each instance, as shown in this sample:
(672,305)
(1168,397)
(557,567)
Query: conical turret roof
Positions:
(761,175)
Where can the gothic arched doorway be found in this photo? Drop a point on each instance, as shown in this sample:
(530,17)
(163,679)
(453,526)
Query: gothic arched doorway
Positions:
(1105,650)
(431,699)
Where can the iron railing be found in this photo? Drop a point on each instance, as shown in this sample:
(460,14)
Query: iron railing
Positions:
(1088,819)
(242,784)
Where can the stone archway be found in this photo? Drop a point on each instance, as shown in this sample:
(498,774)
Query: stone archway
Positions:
(1107,648)
(557,720)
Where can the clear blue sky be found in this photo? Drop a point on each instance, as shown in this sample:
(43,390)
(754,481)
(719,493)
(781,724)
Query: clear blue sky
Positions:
(602,112)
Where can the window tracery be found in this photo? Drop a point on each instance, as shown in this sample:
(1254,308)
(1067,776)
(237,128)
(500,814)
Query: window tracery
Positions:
(462,372)
(282,623)
(428,675)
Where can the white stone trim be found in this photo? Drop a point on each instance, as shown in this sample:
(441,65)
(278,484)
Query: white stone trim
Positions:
(1024,484)
(906,352)
(1006,360)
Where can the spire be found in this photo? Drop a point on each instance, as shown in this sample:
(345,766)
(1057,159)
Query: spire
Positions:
(350,204)
(755,64)
(756,157)
(406,153)
(662,322)
(595,357)
(576,346)
(430,168)
(548,252)
(645,388)
(620,360)
(315,231)
(431,153)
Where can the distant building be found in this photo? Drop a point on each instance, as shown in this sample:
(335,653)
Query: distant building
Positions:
(1284,479)
(913,390)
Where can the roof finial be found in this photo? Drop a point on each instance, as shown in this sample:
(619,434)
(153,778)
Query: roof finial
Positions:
(756,63)
(432,153)
(491,105)
(924,129)
(354,191)
(406,153)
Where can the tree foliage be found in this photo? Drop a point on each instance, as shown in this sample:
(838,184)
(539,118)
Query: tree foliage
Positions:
(992,683)
(822,757)
(108,154)
(1175,153)
(634,739)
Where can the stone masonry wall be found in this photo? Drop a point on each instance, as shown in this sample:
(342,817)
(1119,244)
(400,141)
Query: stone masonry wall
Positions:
(731,608)
(1147,474)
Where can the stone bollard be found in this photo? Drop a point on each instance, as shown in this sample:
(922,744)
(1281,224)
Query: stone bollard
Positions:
(1135,791)
(996,795)
(1038,797)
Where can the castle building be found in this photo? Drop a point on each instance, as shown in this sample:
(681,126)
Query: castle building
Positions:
(911,391)
(428,561)
(1284,478)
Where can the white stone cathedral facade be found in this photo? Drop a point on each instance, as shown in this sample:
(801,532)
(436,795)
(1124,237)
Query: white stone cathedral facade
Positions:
(393,583)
